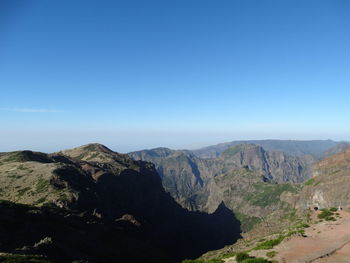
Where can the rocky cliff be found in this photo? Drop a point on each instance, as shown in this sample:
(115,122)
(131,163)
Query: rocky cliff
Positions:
(330,184)
(245,177)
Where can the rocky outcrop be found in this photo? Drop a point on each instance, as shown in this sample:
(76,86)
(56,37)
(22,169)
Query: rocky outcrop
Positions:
(274,166)
(329,186)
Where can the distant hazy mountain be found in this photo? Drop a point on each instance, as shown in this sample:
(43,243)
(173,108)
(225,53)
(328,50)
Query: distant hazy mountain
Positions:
(336,149)
(315,148)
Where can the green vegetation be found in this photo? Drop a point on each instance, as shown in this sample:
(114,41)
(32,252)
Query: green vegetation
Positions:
(268,244)
(247,222)
(15,176)
(241,256)
(268,193)
(41,185)
(233,150)
(293,232)
(310,182)
(92,156)
(23,191)
(271,254)
(22,259)
(81,156)
(14,157)
(327,214)
(228,255)
(333,209)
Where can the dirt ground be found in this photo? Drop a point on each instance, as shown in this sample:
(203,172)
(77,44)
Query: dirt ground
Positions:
(324,242)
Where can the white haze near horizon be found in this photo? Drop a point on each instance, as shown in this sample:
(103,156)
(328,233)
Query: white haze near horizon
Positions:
(127,141)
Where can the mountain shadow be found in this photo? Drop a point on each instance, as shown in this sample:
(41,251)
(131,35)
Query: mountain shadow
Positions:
(95,205)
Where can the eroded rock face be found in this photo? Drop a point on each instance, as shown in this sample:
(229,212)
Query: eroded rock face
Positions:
(193,183)
(329,187)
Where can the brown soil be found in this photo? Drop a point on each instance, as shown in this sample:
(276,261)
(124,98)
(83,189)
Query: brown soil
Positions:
(324,242)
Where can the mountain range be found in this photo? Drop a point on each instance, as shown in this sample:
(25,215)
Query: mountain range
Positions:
(91,204)
(235,170)
(105,205)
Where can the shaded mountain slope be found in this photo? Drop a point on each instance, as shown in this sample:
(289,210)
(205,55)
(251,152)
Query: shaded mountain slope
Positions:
(111,198)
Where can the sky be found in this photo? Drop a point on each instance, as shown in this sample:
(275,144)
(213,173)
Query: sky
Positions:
(180,74)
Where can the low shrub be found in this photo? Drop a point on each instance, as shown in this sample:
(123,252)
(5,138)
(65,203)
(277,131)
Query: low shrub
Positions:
(241,256)
(271,254)
(268,244)
(324,213)
(229,255)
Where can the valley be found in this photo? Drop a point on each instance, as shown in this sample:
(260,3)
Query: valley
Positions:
(164,205)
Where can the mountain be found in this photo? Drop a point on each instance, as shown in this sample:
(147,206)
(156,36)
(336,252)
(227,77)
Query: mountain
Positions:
(336,149)
(96,205)
(273,165)
(319,218)
(315,148)
(245,177)
(92,204)
(329,186)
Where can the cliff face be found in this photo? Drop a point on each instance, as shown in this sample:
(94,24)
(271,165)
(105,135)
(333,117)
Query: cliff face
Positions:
(103,195)
(330,184)
(244,177)
(274,166)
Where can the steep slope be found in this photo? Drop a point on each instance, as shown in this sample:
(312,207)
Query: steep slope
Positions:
(317,229)
(337,149)
(187,178)
(242,177)
(330,185)
(109,198)
(315,148)
(274,166)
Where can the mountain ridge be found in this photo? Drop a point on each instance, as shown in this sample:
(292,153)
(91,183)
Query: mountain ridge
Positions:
(105,188)
(291,147)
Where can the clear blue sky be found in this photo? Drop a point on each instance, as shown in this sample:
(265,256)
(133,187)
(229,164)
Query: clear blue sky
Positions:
(182,73)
